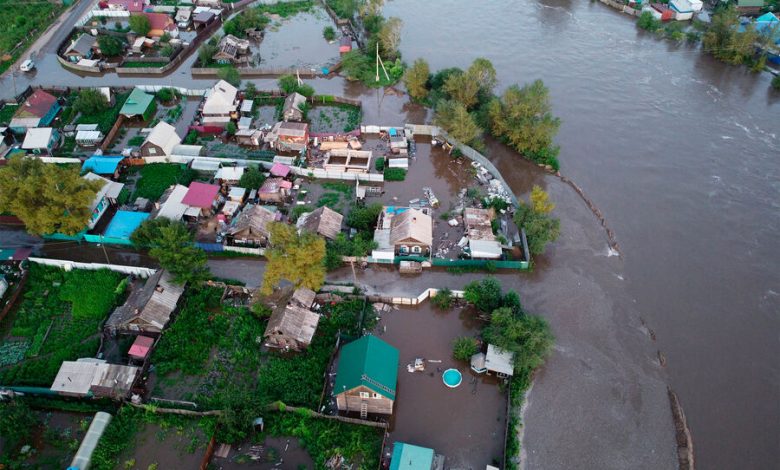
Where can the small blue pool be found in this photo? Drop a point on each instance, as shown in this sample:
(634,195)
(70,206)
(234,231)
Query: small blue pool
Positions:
(452,378)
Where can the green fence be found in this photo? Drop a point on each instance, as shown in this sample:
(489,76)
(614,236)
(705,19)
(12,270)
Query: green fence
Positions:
(467,263)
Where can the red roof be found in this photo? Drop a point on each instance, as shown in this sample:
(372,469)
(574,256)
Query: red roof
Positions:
(38,104)
(160,21)
(22,254)
(141,347)
(133,6)
(279,169)
(201,195)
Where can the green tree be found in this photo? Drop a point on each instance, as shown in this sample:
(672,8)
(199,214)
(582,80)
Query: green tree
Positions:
(463,348)
(47,198)
(17,424)
(140,24)
(484,74)
(463,88)
(298,258)
(205,54)
(453,117)
(389,37)
(172,243)
(252,178)
(166,95)
(167,50)
(647,22)
(776,82)
(443,299)
(527,336)
(416,79)
(329,33)
(523,118)
(540,229)
(725,41)
(250,91)
(110,46)
(249,18)
(230,75)
(90,101)
(191,138)
(364,218)
(485,295)
(231,128)
(288,84)
(344,8)
(540,200)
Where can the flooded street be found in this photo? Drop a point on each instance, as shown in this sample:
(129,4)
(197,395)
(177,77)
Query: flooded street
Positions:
(679,153)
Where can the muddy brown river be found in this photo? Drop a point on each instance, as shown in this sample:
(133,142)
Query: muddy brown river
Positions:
(680,154)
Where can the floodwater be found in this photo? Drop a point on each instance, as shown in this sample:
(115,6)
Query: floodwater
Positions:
(298,42)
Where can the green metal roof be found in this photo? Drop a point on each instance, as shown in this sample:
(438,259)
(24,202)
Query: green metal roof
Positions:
(409,457)
(750,3)
(370,362)
(137,103)
(6,254)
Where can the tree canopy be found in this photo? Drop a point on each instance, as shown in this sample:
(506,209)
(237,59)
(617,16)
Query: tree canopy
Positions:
(527,336)
(172,244)
(389,37)
(463,88)
(140,24)
(485,295)
(91,101)
(534,217)
(364,218)
(252,178)
(230,75)
(453,117)
(726,41)
(47,198)
(416,79)
(298,258)
(110,46)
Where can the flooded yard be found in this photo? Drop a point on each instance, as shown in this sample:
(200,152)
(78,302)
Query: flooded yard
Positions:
(267,454)
(465,424)
(298,42)
(163,446)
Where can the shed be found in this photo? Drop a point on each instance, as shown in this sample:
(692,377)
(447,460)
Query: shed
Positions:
(237,194)
(499,361)
(172,206)
(230,174)
(280,170)
(274,190)
(148,309)
(246,107)
(323,221)
(485,249)
(88,376)
(40,140)
(88,138)
(367,376)
(345,44)
(102,165)
(124,223)
(141,347)
(683,10)
(245,122)
(201,195)
(411,457)
(138,104)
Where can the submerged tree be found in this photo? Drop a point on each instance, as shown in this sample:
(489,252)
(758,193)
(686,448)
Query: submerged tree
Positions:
(527,336)
(463,88)
(47,198)
(534,217)
(416,79)
(724,39)
(453,117)
(173,245)
(298,258)
(389,37)
(485,295)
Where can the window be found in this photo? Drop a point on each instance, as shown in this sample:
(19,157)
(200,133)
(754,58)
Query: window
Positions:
(404,249)
(363,394)
(376,395)
(152,151)
(416,249)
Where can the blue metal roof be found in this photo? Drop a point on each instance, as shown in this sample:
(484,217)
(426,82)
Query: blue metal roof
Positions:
(410,457)
(101,164)
(124,223)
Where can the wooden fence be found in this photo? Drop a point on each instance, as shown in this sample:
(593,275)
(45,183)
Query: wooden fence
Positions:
(14,296)
(112,133)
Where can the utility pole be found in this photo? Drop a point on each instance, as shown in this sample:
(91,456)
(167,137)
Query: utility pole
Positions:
(377,61)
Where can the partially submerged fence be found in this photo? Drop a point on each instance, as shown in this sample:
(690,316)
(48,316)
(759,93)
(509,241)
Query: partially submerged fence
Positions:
(425,295)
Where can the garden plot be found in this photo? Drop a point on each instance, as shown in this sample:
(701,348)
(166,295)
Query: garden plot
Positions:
(334,118)
(57,319)
(51,438)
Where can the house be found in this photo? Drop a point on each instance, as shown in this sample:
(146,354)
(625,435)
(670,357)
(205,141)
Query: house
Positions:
(38,110)
(103,165)
(183,17)
(94,377)
(496,360)
(410,457)
(275,190)
(348,161)
(221,105)
(209,3)
(411,231)
(161,24)
(133,6)
(139,105)
(251,227)
(249,137)
(230,174)
(203,18)
(41,140)
(161,141)
(292,324)
(768,25)
(661,12)
(171,206)
(366,377)
(203,196)
(105,197)
(750,7)
(141,348)
(345,44)
(696,5)
(292,107)
(683,10)
(148,309)
(88,135)
(323,221)
(232,50)
(292,136)
(82,48)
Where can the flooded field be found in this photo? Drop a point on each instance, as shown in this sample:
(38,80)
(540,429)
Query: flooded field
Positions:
(465,424)
(268,454)
(298,42)
(158,446)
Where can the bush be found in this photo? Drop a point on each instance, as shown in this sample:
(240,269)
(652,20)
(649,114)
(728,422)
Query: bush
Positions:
(166,95)
(463,348)
(230,75)
(395,174)
(647,22)
(191,138)
(379,164)
(443,299)
(776,82)
(329,33)
(364,218)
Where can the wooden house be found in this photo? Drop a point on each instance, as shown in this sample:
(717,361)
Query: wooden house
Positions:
(148,309)
(251,227)
(292,107)
(249,137)
(750,7)
(411,232)
(289,136)
(292,324)
(161,24)
(323,221)
(161,141)
(367,377)
(94,377)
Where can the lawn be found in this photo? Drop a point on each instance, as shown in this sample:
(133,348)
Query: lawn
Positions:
(105,119)
(57,319)
(157,177)
(21,24)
